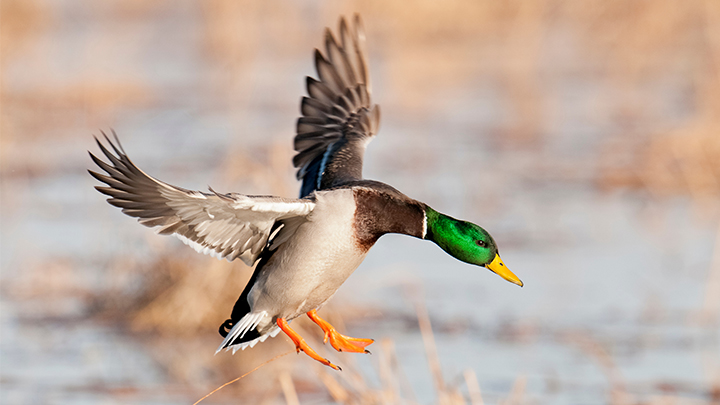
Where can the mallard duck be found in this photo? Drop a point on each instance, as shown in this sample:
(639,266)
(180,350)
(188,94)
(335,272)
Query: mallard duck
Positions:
(305,248)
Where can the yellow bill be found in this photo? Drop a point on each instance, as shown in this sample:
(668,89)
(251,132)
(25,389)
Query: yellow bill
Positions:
(498,267)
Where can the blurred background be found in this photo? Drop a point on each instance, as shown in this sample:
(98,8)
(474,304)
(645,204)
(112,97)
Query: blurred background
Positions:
(585,136)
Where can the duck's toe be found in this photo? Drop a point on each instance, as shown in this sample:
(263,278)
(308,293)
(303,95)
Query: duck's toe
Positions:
(344,343)
(337,340)
(300,344)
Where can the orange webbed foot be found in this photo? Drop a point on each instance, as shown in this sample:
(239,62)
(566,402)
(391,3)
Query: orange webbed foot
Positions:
(337,340)
(301,345)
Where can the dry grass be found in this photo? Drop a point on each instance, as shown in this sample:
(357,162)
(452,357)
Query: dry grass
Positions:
(628,47)
(684,159)
(176,313)
(624,44)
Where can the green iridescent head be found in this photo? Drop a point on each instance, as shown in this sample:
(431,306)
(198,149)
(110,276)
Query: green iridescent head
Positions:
(467,242)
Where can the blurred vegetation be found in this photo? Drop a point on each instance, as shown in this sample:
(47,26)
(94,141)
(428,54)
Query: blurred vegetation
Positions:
(636,52)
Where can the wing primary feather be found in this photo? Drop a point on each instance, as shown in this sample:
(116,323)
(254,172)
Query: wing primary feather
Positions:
(221,225)
(327,73)
(338,119)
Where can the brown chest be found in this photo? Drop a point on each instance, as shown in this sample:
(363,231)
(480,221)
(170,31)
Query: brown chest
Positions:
(381,212)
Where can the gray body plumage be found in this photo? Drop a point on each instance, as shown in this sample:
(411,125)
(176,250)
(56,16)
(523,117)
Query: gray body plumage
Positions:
(322,253)
(315,262)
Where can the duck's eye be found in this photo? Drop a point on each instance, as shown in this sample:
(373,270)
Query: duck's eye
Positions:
(481,243)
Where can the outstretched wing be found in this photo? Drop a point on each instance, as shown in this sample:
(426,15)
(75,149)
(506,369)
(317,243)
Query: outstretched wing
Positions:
(221,225)
(338,118)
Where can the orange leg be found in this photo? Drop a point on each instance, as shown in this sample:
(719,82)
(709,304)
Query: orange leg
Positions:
(301,345)
(339,341)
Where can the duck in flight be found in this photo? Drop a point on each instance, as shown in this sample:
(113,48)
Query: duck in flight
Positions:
(304,248)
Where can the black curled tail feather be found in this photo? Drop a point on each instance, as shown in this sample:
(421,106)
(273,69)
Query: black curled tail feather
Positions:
(241,308)
(225,327)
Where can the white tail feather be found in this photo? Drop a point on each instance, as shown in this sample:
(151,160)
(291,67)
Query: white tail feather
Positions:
(242,346)
(247,323)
